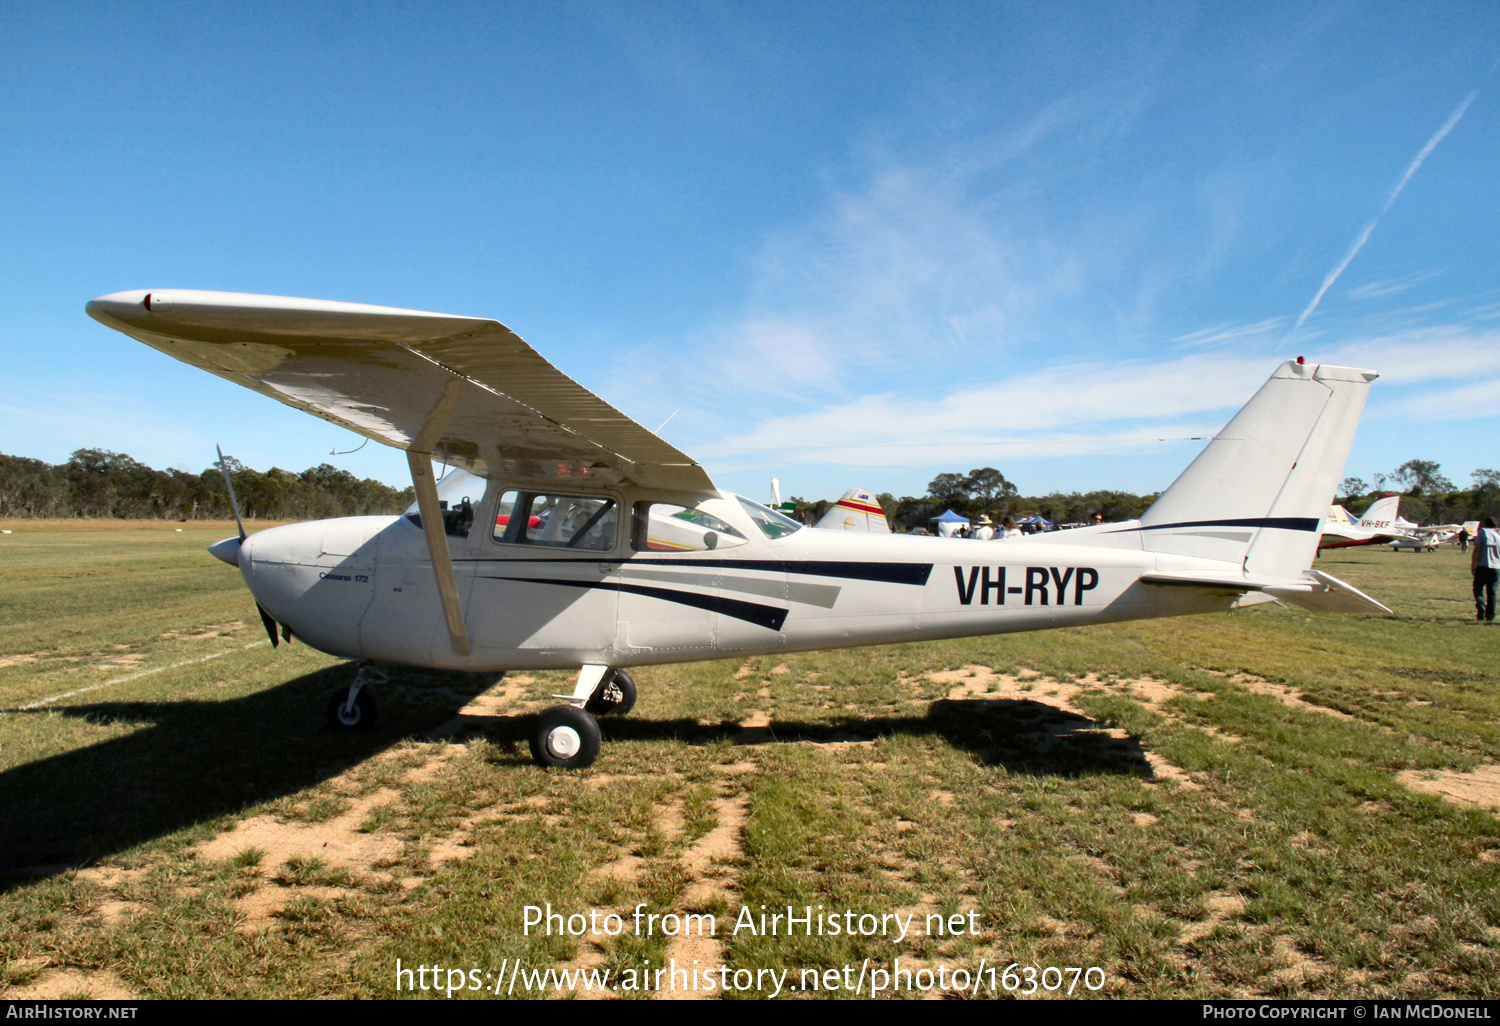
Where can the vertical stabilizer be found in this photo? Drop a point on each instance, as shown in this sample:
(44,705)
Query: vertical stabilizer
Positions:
(1382,514)
(1258,493)
(858,510)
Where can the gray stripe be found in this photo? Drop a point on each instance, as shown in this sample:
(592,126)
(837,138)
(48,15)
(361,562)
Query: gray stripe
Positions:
(823,595)
(1234,536)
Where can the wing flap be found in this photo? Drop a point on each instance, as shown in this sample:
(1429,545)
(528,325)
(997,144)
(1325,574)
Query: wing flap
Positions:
(466,389)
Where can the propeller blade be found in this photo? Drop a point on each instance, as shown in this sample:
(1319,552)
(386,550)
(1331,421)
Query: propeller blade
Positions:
(233,502)
(270,622)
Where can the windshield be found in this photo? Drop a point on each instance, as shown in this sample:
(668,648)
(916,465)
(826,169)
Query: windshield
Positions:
(455,486)
(457,493)
(771,523)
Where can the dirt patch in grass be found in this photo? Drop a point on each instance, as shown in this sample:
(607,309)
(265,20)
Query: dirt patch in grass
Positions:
(485,708)
(1283,693)
(754,728)
(73,984)
(1480,787)
(262,905)
(211,631)
(711,869)
(338,841)
(1221,909)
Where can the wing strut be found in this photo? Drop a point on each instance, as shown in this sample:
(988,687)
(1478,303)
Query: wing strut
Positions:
(437,547)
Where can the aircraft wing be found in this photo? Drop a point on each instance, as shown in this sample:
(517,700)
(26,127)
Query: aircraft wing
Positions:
(467,390)
(1315,590)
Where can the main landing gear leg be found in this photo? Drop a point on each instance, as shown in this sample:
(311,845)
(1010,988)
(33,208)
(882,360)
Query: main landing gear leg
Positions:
(356,709)
(568,735)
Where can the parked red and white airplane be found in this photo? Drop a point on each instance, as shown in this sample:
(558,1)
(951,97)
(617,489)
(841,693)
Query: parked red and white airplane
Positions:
(858,510)
(1376,527)
(542,555)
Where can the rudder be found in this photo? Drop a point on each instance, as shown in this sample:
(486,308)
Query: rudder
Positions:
(1257,494)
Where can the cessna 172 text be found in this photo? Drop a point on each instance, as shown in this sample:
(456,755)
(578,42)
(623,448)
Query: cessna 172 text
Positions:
(575,539)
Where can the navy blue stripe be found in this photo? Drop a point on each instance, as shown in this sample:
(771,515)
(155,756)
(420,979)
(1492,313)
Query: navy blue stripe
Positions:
(769,617)
(885,573)
(1282,523)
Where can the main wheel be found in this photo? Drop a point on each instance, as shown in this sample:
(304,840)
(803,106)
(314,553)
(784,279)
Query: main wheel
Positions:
(615,695)
(361,717)
(567,738)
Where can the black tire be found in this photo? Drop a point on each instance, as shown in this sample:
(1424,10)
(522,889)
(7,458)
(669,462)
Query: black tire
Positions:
(567,738)
(615,695)
(361,718)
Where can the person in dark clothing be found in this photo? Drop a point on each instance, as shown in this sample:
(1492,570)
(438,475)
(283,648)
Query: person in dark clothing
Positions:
(1485,561)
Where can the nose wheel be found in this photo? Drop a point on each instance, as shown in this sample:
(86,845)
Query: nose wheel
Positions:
(359,716)
(355,709)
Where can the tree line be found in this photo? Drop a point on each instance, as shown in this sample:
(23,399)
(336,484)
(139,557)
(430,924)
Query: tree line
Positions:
(985,491)
(97,483)
(1427,497)
(103,484)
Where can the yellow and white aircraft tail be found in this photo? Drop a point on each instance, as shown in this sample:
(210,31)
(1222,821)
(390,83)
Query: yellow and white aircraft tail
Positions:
(858,510)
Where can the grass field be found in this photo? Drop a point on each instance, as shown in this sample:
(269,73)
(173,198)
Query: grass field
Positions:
(1223,806)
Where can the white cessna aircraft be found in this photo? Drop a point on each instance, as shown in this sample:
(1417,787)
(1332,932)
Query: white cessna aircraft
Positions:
(579,540)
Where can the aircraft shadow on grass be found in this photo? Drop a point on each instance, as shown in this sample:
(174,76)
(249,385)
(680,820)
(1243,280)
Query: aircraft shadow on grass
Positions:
(198,761)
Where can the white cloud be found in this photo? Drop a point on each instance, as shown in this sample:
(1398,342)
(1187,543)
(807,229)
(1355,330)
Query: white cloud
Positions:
(1478,400)
(1390,286)
(922,268)
(1100,409)
(1220,333)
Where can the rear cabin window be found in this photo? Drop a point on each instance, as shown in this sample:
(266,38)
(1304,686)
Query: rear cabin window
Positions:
(588,523)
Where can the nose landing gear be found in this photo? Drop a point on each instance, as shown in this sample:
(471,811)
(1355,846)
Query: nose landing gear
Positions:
(568,735)
(356,709)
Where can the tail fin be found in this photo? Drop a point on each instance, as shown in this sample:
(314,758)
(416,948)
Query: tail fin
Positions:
(858,510)
(1381,516)
(1257,494)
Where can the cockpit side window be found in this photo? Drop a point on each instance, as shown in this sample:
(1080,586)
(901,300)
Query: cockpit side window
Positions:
(587,523)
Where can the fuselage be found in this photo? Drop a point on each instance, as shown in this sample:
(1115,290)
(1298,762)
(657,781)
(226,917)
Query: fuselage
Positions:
(364,588)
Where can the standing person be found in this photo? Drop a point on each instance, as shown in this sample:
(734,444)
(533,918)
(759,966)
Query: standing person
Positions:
(1463,539)
(1485,561)
(1009,529)
(985,531)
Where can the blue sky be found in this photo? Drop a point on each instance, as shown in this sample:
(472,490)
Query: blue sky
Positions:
(848,244)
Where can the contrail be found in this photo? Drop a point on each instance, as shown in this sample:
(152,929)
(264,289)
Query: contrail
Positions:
(1364,236)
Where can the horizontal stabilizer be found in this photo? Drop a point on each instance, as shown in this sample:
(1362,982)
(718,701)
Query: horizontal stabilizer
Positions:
(1316,590)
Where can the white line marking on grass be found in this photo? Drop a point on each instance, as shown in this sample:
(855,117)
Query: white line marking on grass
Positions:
(133,676)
